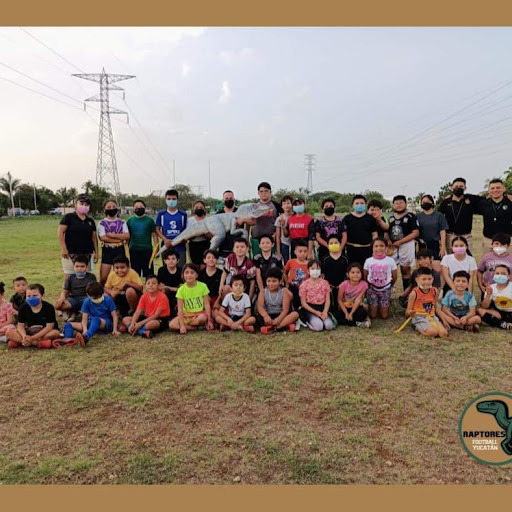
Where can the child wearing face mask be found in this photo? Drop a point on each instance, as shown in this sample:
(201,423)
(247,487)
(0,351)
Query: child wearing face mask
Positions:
(142,230)
(315,299)
(460,259)
(199,244)
(334,267)
(113,234)
(300,226)
(496,307)
(99,314)
(500,255)
(73,292)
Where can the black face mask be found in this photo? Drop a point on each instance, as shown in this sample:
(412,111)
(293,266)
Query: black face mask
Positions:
(200,212)
(112,212)
(427,206)
(139,211)
(458,192)
(329,211)
(229,203)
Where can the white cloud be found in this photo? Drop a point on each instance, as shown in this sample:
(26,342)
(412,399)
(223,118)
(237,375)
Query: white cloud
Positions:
(185,69)
(226,93)
(278,118)
(234,57)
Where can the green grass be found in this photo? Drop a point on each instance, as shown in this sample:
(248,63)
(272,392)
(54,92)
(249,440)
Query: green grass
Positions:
(350,406)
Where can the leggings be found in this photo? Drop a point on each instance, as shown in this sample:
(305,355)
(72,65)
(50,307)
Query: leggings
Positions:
(314,322)
(360,315)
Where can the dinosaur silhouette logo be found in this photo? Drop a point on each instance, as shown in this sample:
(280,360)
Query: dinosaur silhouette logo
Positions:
(485,428)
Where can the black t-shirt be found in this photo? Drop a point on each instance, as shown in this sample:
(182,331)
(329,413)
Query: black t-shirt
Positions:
(497,216)
(78,236)
(334,269)
(213,282)
(45,316)
(459,214)
(327,229)
(76,286)
(360,229)
(168,279)
(266,265)
(226,247)
(402,227)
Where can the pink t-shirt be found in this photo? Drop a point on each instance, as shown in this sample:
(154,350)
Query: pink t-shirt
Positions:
(489,262)
(314,290)
(6,308)
(352,292)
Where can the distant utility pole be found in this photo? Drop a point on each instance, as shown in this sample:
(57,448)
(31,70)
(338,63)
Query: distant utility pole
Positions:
(309,166)
(35,201)
(106,166)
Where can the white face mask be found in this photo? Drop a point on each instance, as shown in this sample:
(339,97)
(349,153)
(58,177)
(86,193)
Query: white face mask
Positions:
(499,250)
(315,272)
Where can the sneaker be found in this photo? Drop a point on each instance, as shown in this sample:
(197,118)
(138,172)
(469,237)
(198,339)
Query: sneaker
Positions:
(223,328)
(298,324)
(81,339)
(3,339)
(123,329)
(248,328)
(468,328)
(506,325)
(292,327)
(364,325)
(59,343)
(268,329)
(147,334)
(476,328)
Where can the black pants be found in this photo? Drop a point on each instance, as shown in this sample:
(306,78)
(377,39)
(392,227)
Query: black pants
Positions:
(360,315)
(358,254)
(139,260)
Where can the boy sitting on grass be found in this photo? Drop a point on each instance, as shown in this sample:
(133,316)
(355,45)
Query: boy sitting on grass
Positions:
(266,261)
(124,286)
(73,292)
(422,306)
(152,314)
(459,306)
(20,285)
(37,324)
(235,312)
(296,270)
(275,305)
(211,276)
(99,313)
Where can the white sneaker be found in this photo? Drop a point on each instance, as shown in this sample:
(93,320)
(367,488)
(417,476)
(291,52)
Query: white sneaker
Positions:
(506,325)
(298,323)
(3,339)
(64,315)
(365,325)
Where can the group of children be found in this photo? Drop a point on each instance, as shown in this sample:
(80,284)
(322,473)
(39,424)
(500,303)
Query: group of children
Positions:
(264,294)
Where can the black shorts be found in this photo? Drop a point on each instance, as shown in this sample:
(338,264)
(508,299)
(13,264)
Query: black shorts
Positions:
(196,251)
(122,304)
(109,253)
(139,261)
(163,321)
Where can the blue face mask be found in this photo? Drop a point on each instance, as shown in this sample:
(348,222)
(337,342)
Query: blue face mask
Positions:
(360,208)
(80,274)
(171,203)
(299,208)
(33,301)
(500,279)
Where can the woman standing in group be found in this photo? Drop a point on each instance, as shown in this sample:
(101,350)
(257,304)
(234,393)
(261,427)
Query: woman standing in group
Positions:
(142,233)
(433,227)
(199,244)
(77,235)
(113,233)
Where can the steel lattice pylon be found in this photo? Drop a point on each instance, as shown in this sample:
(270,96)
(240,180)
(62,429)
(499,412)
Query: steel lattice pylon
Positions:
(106,165)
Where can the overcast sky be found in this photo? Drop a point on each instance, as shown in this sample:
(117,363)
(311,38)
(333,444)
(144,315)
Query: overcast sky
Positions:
(392,109)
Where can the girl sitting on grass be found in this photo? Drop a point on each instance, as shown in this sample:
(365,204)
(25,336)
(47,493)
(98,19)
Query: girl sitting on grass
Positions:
(193,303)
(351,293)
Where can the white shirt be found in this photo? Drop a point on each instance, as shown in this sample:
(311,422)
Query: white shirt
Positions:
(236,307)
(379,271)
(502,298)
(468,264)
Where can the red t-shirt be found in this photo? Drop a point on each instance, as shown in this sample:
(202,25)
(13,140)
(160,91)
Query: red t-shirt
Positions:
(149,305)
(298,227)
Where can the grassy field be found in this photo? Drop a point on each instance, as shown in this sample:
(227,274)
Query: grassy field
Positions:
(350,406)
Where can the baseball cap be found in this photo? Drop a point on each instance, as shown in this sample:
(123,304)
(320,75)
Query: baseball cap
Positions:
(84,198)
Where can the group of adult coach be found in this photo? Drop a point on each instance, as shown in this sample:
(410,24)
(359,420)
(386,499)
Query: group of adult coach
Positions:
(454,217)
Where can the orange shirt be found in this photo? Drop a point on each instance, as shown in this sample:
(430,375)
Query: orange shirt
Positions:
(149,305)
(296,272)
(425,302)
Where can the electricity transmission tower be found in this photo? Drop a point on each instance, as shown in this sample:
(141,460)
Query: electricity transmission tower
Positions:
(309,165)
(106,165)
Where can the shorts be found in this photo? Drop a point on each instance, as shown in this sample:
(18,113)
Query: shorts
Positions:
(122,304)
(68,263)
(235,318)
(196,250)
(379,298)
(190,317)
(421,322)
(163,321)
(109,253)
(76,304)
(405,255)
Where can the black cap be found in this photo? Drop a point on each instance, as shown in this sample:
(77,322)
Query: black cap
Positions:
(84,198)
(298,200)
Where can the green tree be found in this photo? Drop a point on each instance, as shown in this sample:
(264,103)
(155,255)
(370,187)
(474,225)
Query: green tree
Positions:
(65,196)
(444,192)
(9,186)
